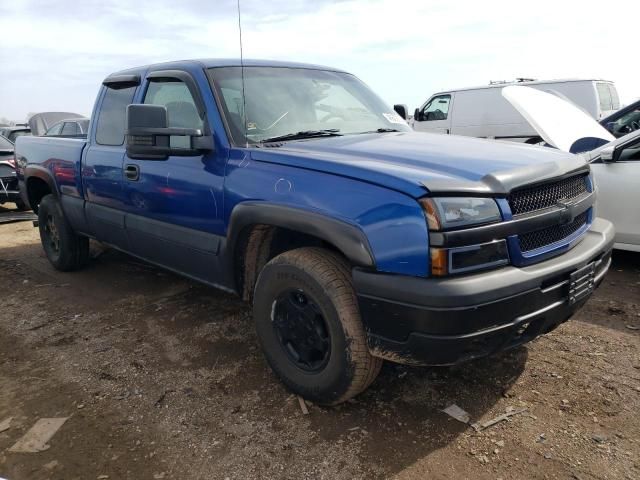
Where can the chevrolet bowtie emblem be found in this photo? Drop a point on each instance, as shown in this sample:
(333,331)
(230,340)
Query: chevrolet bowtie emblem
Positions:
(566,212)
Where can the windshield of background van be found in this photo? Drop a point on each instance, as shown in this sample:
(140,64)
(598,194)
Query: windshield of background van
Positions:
(280,101)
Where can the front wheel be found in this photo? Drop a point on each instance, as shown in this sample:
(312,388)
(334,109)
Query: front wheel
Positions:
(309,326)
(64,248)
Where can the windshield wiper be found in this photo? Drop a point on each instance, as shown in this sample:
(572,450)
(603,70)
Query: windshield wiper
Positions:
(330,132)
(382,130)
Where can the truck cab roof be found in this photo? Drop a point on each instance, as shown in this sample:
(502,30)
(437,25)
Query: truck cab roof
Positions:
(222,62)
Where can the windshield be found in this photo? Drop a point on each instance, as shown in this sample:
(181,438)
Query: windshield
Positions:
(281,101)
(18,133)
(5,144)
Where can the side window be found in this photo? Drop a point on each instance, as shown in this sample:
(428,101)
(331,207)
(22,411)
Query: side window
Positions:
(604,96)
(70,128)
(112,116)
(181,108)
(437,108)
(55,130)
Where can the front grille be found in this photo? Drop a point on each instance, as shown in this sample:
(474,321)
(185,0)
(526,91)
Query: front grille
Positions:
(549,235)
(530,199)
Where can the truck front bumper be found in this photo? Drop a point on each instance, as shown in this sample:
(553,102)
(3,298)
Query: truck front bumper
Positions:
(429,321)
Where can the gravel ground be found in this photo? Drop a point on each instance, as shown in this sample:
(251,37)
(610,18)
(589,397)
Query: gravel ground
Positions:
(161,378)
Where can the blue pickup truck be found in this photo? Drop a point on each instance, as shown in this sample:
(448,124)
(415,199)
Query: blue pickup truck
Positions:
(356,239)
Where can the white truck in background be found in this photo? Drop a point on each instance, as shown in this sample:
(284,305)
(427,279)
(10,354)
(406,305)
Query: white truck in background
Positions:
(483,112)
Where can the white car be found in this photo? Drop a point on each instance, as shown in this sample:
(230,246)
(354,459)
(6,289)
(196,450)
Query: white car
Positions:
(615,163)
(483,112)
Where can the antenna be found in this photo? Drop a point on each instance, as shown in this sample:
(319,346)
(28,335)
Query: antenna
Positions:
(244,102)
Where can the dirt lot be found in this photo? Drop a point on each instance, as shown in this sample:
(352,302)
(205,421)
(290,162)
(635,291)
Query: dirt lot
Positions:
(161,378)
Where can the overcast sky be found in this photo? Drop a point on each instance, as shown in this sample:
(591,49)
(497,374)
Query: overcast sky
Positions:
(54,54)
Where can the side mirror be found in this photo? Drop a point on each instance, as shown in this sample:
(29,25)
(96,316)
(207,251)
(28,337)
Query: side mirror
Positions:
(608,155)
(149,137)
(417,116)
(401,110)
(610,126)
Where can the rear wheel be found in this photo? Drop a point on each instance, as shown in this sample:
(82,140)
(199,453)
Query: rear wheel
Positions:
(309,326)
(64,248)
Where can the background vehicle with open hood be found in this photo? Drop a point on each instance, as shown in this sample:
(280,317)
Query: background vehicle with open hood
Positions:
(69,127)
(624,121)
(483,112)
(41,122)
(615,163)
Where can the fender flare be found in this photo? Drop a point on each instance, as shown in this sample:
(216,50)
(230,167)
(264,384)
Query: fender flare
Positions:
(42,173)
(36,171)
(347,237)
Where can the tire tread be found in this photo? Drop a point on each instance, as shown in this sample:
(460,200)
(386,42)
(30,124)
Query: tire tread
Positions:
(334,274)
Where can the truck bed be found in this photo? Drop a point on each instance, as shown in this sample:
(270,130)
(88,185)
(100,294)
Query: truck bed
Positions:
(60,156)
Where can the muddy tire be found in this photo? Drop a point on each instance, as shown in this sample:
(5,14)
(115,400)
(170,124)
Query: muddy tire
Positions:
(308,324)
(65,250)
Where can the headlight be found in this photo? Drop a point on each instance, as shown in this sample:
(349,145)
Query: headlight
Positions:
(454,212)
(449,213)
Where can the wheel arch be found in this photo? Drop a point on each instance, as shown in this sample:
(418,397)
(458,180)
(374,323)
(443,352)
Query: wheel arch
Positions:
(258,231)
(38,183)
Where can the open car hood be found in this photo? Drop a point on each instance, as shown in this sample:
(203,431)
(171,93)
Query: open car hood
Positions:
(41,122)
(557,121)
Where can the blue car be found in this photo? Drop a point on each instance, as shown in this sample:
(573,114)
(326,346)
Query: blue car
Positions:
(355,239)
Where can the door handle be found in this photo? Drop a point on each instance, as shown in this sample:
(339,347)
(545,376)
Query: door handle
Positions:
(132,172)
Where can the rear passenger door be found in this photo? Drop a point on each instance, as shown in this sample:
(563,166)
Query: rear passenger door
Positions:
(434,115)
(175,205)
(102,165)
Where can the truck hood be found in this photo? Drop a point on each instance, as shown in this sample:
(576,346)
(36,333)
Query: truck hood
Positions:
(415,163)
(557,121)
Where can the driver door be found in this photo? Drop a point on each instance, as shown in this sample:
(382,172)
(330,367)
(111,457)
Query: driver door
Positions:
(434,115)
(174,206)
(619,195)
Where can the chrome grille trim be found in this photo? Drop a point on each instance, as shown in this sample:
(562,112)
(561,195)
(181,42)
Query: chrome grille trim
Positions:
(550,235)
(531,199)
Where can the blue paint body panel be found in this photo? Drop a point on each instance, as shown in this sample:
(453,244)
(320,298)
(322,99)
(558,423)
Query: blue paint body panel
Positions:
(370,182)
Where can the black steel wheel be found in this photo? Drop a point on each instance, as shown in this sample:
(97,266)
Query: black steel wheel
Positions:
(302,330)
(308,324)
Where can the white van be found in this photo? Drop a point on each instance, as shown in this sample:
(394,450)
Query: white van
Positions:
(484,112)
